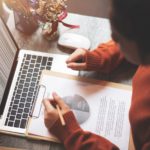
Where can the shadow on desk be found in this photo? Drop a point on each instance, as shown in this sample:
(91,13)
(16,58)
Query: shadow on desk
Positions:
(122,74)
(8,148)
(23,143)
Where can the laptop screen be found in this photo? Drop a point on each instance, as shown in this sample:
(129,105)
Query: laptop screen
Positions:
(8,52)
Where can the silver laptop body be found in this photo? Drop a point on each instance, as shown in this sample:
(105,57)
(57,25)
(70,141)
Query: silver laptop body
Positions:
(19,76)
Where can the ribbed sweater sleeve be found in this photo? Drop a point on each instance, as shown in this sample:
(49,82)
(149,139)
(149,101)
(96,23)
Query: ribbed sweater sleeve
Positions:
(140,109)
(104,58)
(74,138)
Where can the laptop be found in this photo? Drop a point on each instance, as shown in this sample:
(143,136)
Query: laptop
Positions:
(19,77)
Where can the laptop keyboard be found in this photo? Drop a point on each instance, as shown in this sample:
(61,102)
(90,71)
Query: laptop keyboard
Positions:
(26,88)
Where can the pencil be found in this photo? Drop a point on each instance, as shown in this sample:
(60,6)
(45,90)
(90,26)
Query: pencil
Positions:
(60,116)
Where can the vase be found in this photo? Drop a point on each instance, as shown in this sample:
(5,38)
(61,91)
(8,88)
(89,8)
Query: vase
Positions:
(50,30)
(25,24)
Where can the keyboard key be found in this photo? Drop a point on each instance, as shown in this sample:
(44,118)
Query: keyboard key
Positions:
(23,123)
(24,94)
(23,100)
(27,105)
(42,68)
(8,114)
(36,69)
(22,63)
(50,59)
(19,91)
(20,110)
(23,76)
(15,89)
(17,96)
(15,107)
(28,57)
(6,121)
(26,62)
(30,70)
(17,123)
(39,59)
(18,116)
(49,63)
(48,68)
(16,102)
(11,103)
(19,73)
(12,118)
(28,79)
(25,115)
(31,89)
(39,78)
(20,86)
(25,67)
(16,83)
(26,110)
(25,90)
(24,72)
(37,65)
(13,112)
(21,105)
(34,79)
(29,99)
(31,66)
(21,81)
(32,84)
(29,75)
(34,56)
(35,74)
(32,61)
(44,61)
(10,124)
(26,84)
(30,94)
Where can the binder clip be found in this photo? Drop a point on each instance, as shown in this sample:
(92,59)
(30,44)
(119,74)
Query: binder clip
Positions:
(37,105)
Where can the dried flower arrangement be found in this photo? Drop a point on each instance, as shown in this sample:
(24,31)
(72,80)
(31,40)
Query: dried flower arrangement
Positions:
(49,12)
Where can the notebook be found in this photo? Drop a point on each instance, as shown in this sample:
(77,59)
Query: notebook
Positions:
(100,107)
(19,77)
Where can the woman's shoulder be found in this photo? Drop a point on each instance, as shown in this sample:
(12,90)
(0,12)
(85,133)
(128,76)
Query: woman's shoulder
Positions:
(142,76)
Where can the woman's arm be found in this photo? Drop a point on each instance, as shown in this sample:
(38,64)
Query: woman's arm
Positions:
(73,137)
(104,58)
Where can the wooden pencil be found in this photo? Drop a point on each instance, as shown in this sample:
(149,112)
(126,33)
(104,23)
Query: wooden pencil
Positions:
(60,116)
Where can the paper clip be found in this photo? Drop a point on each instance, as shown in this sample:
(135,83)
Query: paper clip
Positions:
(35,113)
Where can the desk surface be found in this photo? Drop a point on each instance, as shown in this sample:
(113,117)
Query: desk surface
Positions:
(98,31)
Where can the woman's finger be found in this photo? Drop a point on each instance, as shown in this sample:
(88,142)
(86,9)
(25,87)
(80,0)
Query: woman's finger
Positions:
(58,100)
(48,106)
(75,56)
(77,66)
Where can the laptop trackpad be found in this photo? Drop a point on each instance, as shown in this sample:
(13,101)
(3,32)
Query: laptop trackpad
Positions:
(59,65)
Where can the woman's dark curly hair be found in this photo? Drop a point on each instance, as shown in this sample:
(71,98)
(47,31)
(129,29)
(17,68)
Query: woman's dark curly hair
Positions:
(131,18)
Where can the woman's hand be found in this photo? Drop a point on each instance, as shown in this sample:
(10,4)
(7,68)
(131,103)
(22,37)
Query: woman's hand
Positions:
(50,113)
(76,61)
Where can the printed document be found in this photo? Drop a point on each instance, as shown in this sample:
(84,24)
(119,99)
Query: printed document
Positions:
(99,107)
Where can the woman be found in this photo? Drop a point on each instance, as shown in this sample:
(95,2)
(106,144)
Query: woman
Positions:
(130,25)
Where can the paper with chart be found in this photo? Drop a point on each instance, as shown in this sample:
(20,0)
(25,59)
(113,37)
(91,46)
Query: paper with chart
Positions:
(101,109)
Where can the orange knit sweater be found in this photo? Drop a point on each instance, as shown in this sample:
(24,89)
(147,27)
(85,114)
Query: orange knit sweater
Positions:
(105,58)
